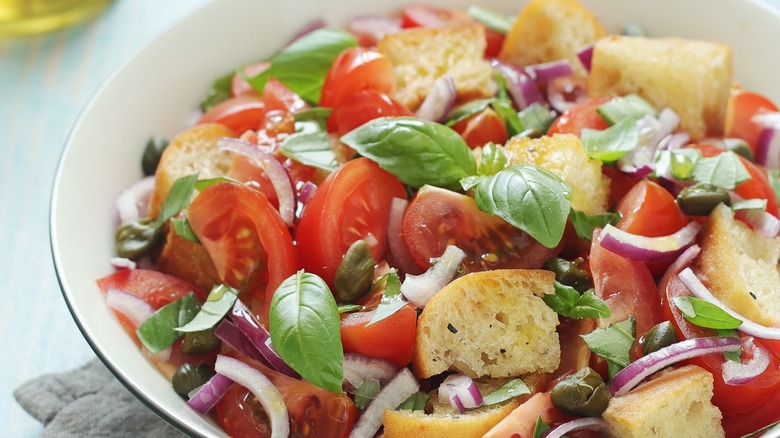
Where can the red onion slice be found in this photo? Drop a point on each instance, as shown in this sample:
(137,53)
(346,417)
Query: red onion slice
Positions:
(262,388)
(395,239)
(742,373)
(461,392)
(276,172)
(760,220)
(648,249)
(585,56)
(550,70)
(521,87)
(358,368)
(590,423)
(133,202)
(768,148)
(683,261)
(400,388)
(231,336)
(259,337)
(699,290)
(206,397)
(439,101)
(121,263)
(419,289)
(308,189)
(634,373)
(135,309)
(370,29)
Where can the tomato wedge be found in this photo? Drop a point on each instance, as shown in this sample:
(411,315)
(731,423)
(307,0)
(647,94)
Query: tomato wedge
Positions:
(649,210)
(357,69)
(482,128)
(352,203)
(391,338)
(431,16)
(580,115)
(154,287)
(240,86)
(742,106)
(361,107)
(237,113)
(247,240)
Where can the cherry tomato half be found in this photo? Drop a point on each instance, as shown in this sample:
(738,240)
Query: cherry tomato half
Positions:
(391,338)
(239,86)
(649,210)
(742,106)
(239,113)
(363,106)
(357,69)
(580,115)
(482,128)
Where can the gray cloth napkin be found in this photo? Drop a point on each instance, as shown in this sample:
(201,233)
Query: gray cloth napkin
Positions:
(89,402)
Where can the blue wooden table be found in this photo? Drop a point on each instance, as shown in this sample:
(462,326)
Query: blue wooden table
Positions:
(44,82)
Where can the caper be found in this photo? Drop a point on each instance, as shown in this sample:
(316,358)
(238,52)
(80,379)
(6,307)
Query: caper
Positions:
(583,394)
(152,153)
(355,273)
(569,273)
(201,342)
(699,199)
(738,146)
(189,377)
(136,238)
(660,336)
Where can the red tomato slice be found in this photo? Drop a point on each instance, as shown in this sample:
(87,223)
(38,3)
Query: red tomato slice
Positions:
(352,203)
(313,411)
(742,106)
(581,115)
(495,40)
(357,69)
(154,287)
(247,240)
(746,423)
(619,183)
(438,217)
(278,97)
(237,113)
(482,128)
(649,210)
(431,16)
(391,338)
(239,86)
(361,107)
(522,420)
(244,169)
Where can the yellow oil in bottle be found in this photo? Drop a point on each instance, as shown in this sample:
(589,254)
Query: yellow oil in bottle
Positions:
(27,17)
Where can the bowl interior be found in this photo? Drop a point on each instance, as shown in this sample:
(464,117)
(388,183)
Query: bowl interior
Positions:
(157,91)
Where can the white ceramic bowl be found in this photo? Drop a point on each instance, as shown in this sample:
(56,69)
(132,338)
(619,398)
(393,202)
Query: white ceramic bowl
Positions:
(158,88)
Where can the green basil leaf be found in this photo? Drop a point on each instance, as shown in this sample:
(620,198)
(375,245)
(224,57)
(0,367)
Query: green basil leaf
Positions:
(540,428)
(536,118)
(470,182)
(738,146)
(507,391)
(493,20)
(303,65)
(584,224)
(590,306)
(217,305)
(183,229)
(312,149)
(348,308)
(392,298)
(705,314)
(613,343)
(417,151)
(178,199)
(733,355)
(774,180)
(366,392)
(305,330)
(749,204)
(626,107)
(218,92)
(466,110)
(505,109)
(678,163)
(203,184)
(416,402)
(612,143)
(566,301)
(529,198)
(159,331)
(317,114)
(563,300)
(492,160)
(723,170)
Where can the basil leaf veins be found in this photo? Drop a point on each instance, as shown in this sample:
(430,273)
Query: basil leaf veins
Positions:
(723,170)
(705,314)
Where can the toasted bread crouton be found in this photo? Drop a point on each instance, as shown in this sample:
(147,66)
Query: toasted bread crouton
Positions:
(690,77)
(675,404)
(549,30)
(563,155)
(491,323)
(739,266)
(422,55)
(192,151)
(187,260)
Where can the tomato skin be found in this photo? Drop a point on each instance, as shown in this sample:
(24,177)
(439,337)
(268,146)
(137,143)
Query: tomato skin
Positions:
(619,183)
(482,128)
(156,288)
(743,424)
(225,211)
(355,202)
(649,210)
(239,113)
(361,107)
(430,16)
(437,217)
(580,115)
(495,40)
(239,86)
(741,108)
(357,69)
(391,338)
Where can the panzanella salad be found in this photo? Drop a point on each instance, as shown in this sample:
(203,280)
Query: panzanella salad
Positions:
(459,223)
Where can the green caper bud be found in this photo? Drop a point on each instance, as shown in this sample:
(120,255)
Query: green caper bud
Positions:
(700,199)
(738,146)
(355,273)
(569,273)
(658,337)
(152,153)
(201,342)
(583,394)
(189,377)
(136,238)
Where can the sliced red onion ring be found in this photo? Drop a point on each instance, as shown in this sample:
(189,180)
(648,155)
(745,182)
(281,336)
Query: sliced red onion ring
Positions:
(310,27)
(370,29)
(521,87)
(120,263)
(419,289)
(259,337)
(133,202)
(358,368)
(648,249)
(461,392)
(550,70)
(439,101)
(276,172)
(304,194)
(768,148)
(585,55)
(742,373)
(395,240)
(630,376)
(262,388)
(129,305)
(400,388)
(699,290)
(683,261)
(590,423)
(207,396)
(760,220)
(230,335)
